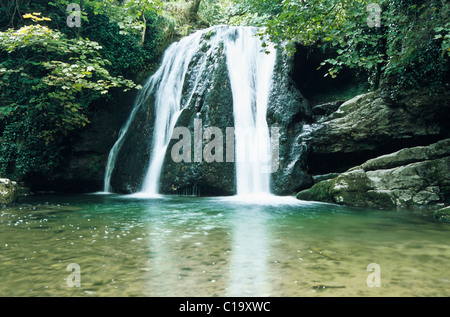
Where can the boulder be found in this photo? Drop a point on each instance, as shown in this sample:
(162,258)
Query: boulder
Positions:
(411,177)
(212,106)
(443,214)
(8,191)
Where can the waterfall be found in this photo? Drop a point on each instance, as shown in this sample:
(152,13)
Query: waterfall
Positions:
(168,93)
(112,158)
(250,71)
(166,85)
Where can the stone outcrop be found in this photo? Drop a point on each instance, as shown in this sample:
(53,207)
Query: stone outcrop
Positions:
(289,110)
(9,191)
(213,105)
(85,159)
(411,177)
(369,125)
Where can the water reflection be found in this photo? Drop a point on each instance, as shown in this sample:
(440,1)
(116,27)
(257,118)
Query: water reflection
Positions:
(219,249)
(216,247)
(248,267)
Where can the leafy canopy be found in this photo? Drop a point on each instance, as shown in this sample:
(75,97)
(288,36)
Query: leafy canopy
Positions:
(48,81)
(407,41)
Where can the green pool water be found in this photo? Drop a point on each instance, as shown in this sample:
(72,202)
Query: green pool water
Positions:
(190,246)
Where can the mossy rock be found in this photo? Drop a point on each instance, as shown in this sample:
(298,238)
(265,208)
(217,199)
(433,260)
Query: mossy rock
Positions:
(351,189)
(8,191)
(443,215)
(318,192)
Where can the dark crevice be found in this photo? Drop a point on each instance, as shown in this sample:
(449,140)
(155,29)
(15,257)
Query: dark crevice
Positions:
(324,163)
(309,77)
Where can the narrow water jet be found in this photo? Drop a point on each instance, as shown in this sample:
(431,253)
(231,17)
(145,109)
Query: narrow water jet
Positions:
(112,157)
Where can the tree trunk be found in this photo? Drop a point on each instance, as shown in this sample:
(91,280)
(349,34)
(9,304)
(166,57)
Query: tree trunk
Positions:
(193,10)
(143,31)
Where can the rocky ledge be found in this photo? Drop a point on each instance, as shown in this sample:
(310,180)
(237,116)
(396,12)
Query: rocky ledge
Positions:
(411,177)
(9,191)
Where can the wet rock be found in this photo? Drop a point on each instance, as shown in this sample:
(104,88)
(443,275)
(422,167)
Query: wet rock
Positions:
(9,191)
(443,215)
(212,106)
(290,111)
(320,178)
(322,111)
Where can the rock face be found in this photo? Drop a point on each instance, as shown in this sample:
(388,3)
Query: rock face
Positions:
(289,111)
(368,126)
(8,191)
(134,155)
(85,159)
(418,176)
(213,104)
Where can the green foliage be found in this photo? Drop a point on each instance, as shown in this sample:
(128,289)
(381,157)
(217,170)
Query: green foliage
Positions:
(409,45)
(129,15)
(417,58)
(444,35)
(48,82)
(251,12)
(52,76)
(123,50)
(214,11)
(182,17)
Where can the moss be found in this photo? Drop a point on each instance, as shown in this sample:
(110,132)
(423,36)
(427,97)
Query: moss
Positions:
(379,199)
(8,191)
(96,166)
(319,192)
(205,46)
(443,215)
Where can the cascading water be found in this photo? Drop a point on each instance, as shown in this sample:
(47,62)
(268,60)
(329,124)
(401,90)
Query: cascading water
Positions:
(250,70)
(168,92)
(166,85)
(112,158)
